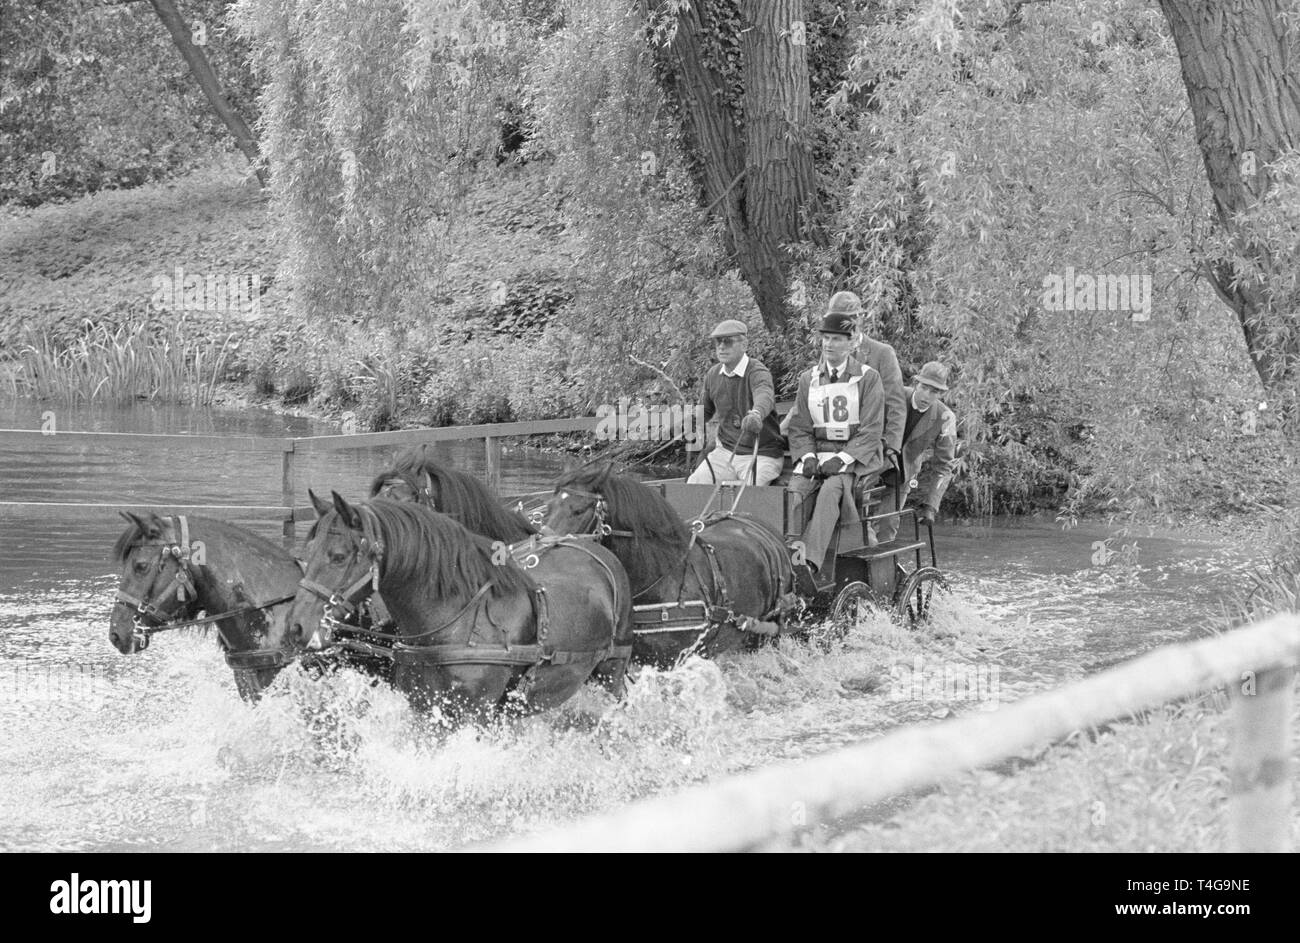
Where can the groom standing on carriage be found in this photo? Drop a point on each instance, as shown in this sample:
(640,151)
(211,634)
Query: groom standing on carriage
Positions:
(837,431)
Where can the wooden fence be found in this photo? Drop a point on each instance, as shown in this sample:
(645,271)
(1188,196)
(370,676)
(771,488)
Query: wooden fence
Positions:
(287,448)
(1256,664)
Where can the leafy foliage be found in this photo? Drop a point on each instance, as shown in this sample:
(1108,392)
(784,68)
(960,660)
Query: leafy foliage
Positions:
(95,96)
(954,219)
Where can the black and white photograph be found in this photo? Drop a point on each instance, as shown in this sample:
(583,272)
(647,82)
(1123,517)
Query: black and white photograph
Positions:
(786,426)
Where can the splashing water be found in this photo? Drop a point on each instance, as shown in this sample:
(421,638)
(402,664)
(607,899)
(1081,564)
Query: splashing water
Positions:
(156,751)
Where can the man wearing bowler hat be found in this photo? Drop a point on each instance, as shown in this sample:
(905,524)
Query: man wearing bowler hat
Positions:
(836,438)
(738,390)
(880,357)
(930,431)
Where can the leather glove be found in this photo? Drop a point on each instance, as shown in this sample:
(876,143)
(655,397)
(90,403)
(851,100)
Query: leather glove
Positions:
(807,466)
(926,515)
(832,466)
(752,423)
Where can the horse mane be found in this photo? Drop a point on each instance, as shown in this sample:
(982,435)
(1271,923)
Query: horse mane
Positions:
(423,545)
(458,495)
(661,538)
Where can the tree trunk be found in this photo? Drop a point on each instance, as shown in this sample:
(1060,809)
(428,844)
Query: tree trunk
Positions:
(1237,62)
(750,146)
(710,124)
(779,180)
(207,79)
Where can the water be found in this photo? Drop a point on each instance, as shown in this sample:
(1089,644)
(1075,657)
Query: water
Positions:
(105,752)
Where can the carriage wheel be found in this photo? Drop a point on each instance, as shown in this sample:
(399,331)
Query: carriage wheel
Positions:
(915,594)
(853,604)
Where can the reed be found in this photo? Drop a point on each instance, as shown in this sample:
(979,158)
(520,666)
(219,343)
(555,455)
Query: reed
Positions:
(132,361)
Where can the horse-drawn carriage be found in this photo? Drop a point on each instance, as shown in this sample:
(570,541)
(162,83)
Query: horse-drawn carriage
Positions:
(902,574)
(489,604)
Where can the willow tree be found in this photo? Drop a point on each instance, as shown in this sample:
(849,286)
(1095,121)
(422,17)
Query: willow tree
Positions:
(373,118)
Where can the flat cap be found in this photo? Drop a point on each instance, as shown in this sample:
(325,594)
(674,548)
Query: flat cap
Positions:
(729,327)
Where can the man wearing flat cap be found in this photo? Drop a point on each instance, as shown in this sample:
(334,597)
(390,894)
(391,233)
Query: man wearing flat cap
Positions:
(929,432)
(836,438)
(738,390)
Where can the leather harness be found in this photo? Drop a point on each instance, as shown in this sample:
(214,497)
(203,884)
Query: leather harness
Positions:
(525,554)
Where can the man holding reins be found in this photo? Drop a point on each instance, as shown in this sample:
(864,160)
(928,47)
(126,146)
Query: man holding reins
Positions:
(738,390)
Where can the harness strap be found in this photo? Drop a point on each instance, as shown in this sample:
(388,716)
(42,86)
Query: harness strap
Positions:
(258,659)
(518,655)
(387,636)
(191,623)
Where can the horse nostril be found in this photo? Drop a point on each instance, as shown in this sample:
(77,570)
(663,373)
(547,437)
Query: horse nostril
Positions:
(296,632)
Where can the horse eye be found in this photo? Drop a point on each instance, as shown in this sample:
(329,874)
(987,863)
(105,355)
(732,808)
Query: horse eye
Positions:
(338,556)
(141,566)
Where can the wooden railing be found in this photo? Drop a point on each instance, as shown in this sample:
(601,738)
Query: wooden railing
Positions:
(288,448)
(1255,663)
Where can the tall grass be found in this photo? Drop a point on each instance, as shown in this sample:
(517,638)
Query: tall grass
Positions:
(134,361)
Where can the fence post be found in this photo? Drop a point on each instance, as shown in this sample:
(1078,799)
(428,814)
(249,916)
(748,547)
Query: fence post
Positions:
(1260,781)
(286,493)
(493,448)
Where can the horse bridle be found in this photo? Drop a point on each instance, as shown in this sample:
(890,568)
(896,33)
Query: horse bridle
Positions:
(600,526)
(342,605)
(149,619)
(425,492)
(181,586)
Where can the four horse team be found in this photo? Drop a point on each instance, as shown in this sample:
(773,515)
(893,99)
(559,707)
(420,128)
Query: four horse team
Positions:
(462,604)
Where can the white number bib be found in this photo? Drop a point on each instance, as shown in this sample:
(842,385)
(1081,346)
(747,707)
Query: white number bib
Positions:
(834,409)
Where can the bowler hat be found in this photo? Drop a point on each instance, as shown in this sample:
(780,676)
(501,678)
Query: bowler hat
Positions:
(729,327)
(934,374)
(835,323)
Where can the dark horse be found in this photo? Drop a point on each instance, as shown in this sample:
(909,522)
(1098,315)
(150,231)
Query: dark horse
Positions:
(417,476)
(474,626)
(711,587)
(173,567)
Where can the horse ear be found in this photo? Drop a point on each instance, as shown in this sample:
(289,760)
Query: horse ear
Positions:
(428,485)
(346,511)
(140,523)
(322,507)
(157,525)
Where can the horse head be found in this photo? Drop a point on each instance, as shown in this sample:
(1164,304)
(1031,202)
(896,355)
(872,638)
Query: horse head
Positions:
(157,584)
(342,566)
(579,505)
